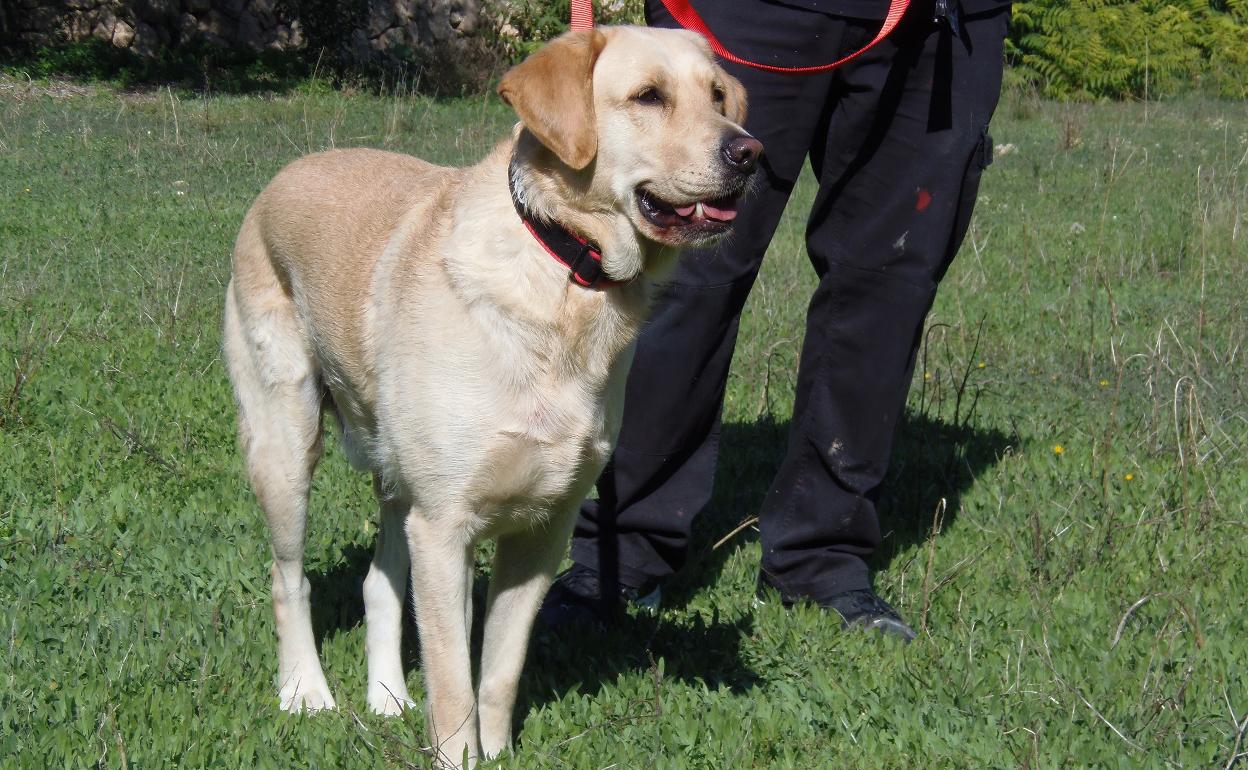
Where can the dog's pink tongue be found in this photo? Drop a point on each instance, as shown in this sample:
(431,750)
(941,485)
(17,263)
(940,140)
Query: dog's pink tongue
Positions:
(723,211)
(726,211)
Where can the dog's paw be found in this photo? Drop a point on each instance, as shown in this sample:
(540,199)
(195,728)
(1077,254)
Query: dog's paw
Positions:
(304,698)
(388,701)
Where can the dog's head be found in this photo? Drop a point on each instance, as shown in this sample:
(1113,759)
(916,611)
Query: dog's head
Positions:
(645,123)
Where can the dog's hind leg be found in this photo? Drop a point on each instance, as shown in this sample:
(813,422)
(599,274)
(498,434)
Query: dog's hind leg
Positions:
(524,566)
(441,566)
(385,589)
(279,400)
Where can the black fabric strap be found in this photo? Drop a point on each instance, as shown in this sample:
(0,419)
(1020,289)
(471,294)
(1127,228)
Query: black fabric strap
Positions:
(582,258)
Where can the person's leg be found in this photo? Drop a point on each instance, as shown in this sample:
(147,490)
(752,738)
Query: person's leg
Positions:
(899,171)
(662,472)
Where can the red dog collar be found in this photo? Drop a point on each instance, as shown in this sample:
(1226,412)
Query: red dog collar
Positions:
(582,258)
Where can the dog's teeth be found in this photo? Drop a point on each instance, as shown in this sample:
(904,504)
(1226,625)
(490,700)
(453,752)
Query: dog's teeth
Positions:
(697,212)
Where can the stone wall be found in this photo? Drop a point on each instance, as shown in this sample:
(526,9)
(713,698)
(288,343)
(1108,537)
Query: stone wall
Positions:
(370,32)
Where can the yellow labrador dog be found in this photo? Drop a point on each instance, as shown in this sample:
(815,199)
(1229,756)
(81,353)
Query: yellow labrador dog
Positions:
(471,330)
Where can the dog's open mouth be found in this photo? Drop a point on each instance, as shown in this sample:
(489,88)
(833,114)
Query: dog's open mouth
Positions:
(695,219)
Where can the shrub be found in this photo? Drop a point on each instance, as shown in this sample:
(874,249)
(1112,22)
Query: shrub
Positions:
(523,25)
(1130,48)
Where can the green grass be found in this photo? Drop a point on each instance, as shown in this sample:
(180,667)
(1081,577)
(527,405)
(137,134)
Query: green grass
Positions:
(1107,268)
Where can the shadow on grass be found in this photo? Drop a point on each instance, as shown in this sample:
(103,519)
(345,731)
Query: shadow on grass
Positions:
(588,657)
(193,68)
(583,658)
(338,602)
(338,593)
(202,68)
(931,460)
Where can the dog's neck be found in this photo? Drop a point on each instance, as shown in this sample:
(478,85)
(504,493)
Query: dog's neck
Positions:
(581,256)
(543,185)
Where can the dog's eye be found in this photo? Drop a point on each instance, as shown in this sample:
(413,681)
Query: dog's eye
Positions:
(649,95)
(717,95)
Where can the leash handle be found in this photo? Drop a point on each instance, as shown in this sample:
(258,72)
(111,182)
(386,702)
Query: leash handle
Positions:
(687,17)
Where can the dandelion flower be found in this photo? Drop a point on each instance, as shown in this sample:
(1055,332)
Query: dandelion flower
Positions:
(1058,449)
(27,189)
(981,365)
(1129,477)
(927,376)
(1104,383)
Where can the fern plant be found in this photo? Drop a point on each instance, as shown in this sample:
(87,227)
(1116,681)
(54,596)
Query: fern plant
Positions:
(1130,48)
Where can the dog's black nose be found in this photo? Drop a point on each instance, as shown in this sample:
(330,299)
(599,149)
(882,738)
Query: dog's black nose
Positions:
(742,153)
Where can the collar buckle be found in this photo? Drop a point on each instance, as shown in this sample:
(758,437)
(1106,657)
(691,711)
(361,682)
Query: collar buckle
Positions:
(585,269)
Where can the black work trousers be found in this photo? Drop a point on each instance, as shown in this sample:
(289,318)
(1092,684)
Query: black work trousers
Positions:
(897,139)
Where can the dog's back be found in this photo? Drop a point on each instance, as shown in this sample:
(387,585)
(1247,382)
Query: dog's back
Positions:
(313,238)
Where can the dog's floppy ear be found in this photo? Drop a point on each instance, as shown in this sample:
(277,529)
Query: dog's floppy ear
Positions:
(552,92)
(734,99)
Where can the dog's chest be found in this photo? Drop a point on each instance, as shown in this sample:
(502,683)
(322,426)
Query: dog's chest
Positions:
(547,450)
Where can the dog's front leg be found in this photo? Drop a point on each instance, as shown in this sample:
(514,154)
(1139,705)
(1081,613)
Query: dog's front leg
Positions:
(524,566)
(385,590)
(441,587)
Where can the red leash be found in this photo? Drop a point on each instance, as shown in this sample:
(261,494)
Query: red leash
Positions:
(687,17)
(582,15)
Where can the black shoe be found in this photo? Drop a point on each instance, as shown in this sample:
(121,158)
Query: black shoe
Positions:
(576,596)
(862,609)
